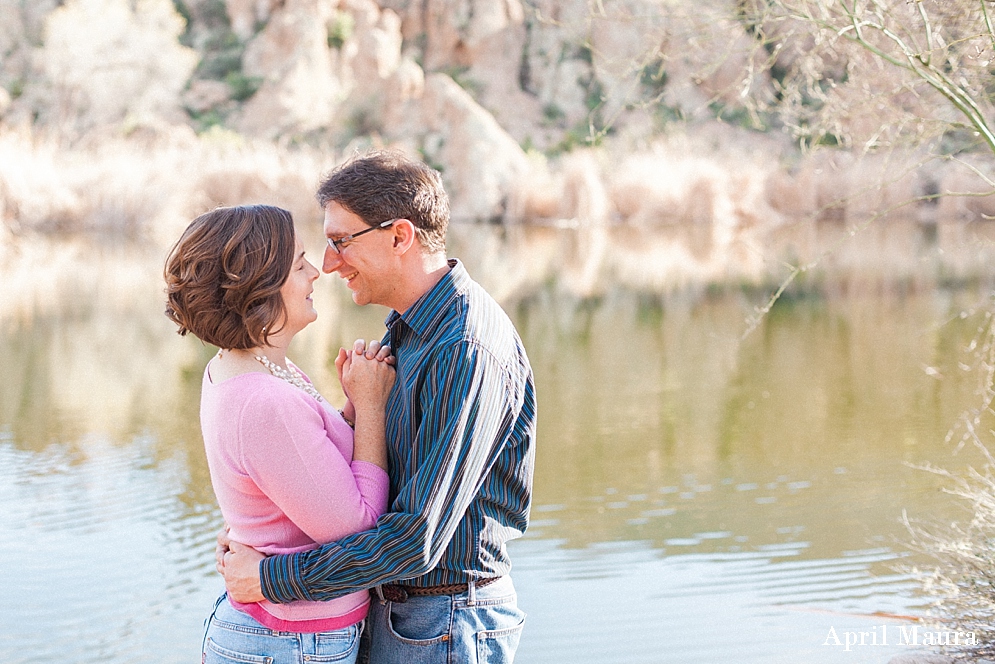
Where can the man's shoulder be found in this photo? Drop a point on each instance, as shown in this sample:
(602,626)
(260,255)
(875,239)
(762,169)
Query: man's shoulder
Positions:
(475,321)
(478,313)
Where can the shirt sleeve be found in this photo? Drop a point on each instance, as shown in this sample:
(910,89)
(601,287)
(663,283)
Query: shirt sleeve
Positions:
(467,408)
(287,453)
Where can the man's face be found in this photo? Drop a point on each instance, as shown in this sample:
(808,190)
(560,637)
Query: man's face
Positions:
(365,263)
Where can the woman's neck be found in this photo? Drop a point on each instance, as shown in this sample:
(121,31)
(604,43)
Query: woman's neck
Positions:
(276,354)
(248,359)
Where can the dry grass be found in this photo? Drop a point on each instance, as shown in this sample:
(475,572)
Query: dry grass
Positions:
(683,215)
(961,582)
(146,186)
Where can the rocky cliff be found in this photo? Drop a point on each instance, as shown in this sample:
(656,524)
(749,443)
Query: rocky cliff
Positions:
(469,85)
(559,112)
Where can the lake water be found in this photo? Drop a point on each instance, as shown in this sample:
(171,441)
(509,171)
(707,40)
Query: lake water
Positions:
(706,490)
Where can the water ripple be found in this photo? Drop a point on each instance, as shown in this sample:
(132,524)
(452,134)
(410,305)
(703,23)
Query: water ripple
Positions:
(104,555)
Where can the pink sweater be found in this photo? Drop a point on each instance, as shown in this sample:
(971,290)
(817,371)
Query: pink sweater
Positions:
(282,470)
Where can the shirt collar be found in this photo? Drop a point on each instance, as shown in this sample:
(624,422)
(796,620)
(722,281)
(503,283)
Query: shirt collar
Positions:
(429,309)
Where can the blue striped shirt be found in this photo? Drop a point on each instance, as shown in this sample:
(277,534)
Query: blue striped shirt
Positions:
(461,448)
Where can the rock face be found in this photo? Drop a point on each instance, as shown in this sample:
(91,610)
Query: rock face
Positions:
(319,63)
(245,15)
(558,73)
(479,160)
(290,57)
(478,88)
(325,65)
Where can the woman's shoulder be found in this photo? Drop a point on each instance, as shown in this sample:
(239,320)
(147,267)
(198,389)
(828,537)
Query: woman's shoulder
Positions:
(262,390)
(250,395)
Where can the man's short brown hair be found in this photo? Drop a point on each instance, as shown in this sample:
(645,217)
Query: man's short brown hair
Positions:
(386,185)
(223,276)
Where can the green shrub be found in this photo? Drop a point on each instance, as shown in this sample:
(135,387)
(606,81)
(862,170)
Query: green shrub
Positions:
(340,29)
(242,86)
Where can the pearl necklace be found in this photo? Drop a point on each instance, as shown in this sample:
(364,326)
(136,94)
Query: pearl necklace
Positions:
(295,377)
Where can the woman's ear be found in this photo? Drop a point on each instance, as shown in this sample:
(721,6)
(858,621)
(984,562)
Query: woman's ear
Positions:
(405,236)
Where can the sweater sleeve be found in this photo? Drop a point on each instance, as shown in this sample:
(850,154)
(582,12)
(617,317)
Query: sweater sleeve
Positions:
(287,452)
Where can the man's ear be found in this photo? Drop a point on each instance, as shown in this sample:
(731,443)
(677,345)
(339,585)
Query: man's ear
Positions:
(405,237)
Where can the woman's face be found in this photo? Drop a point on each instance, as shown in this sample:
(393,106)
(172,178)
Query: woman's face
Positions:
(296,292)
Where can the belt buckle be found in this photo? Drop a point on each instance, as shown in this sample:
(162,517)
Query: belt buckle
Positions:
(394,593)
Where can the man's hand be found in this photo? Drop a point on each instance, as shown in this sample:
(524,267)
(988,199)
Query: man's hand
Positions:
(221,549)
(240,566)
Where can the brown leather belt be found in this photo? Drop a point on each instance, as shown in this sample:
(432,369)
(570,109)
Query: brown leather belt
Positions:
(393,592)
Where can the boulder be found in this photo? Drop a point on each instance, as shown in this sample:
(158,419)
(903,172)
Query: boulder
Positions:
(292,61)
(320,65)
(480,162)
(245,15)
(203,95)
(377,38)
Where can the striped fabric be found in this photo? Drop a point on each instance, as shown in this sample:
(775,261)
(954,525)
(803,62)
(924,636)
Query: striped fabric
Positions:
(461,443)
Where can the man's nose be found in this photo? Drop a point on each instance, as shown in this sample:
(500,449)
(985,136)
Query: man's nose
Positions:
(331,261)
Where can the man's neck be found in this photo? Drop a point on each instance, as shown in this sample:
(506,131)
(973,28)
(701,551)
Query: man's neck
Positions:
(421,279)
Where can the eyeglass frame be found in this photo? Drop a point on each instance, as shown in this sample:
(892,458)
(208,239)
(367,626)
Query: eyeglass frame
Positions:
(335,244)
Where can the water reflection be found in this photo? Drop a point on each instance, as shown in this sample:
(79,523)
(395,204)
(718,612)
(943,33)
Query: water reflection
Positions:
(764,606)
(742,493)
(104,552)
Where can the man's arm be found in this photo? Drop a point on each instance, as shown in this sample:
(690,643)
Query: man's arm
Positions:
(469,408)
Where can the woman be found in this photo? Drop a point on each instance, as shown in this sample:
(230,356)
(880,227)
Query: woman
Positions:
(288,470)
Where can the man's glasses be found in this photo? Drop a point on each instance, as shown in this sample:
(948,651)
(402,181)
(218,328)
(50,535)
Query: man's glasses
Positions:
(339,244)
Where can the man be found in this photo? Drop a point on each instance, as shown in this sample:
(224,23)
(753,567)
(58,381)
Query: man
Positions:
(460,432)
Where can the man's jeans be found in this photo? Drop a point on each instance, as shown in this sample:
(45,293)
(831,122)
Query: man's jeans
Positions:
(480,626)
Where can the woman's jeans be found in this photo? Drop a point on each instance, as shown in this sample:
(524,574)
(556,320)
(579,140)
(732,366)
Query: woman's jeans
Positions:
(478,626)
(233,637)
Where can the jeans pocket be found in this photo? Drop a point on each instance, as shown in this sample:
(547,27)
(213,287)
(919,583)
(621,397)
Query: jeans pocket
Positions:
(424,622)
(215,654)
(498,646)
(337,645)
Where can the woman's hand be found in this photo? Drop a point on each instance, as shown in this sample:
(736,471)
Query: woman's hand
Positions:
(367,375)
(374,351)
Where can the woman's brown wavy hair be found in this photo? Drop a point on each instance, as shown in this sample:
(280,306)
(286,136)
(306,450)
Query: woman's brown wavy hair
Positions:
(223,276)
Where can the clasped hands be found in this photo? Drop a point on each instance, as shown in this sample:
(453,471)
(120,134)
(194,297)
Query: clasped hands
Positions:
(238,563)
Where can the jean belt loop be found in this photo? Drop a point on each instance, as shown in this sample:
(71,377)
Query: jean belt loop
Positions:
(380,595)
(471,593)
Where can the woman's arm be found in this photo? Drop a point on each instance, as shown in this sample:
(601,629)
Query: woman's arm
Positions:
(287,453)
(375,350)
(368,379)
